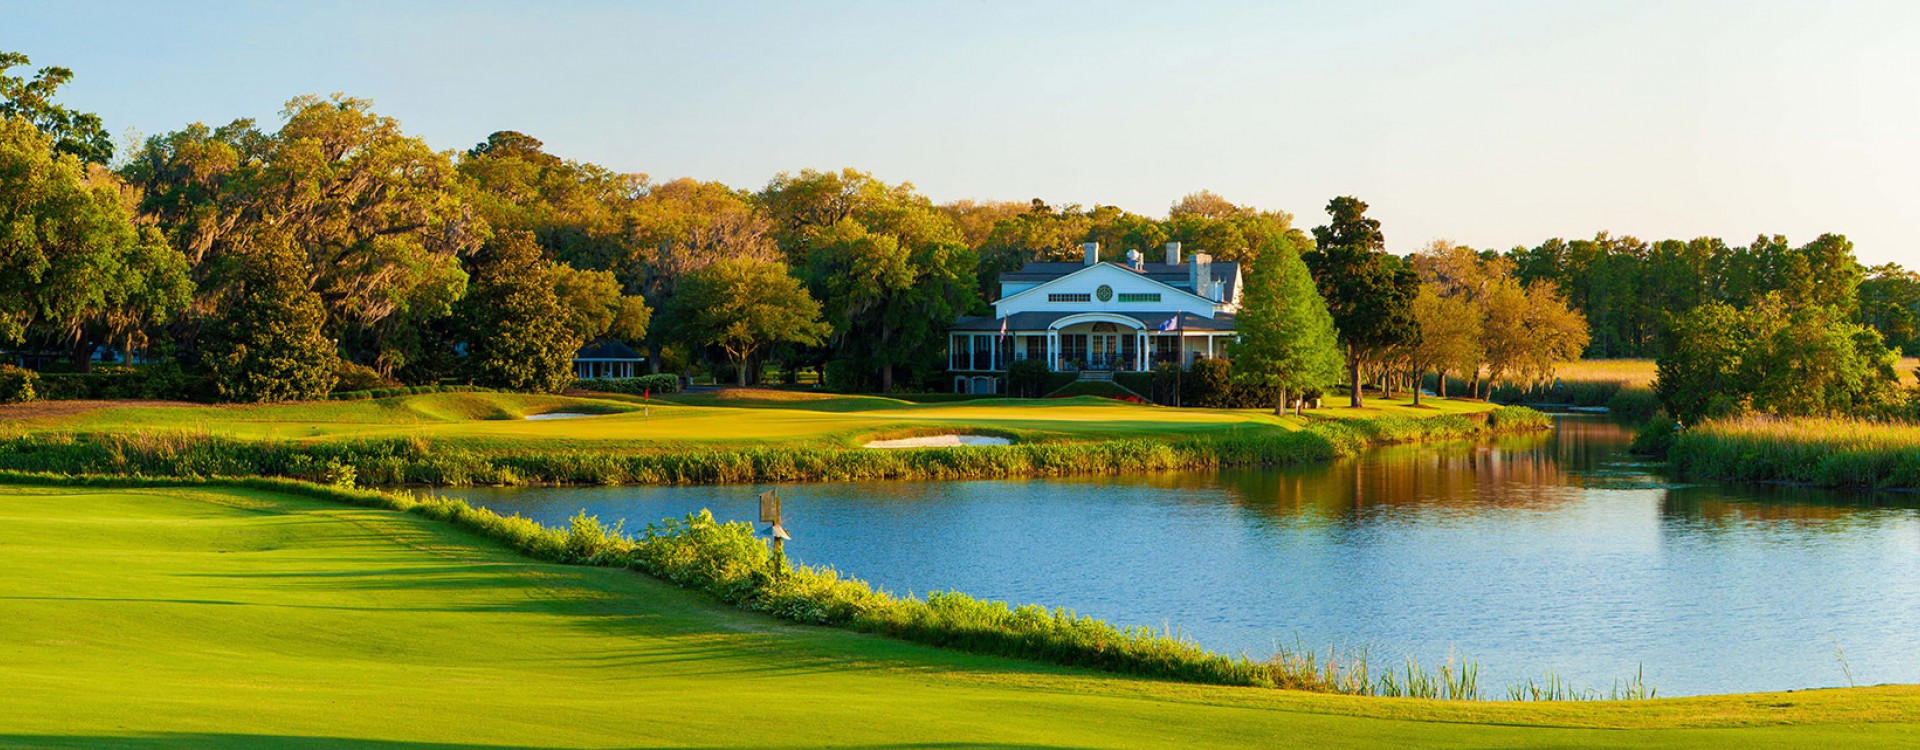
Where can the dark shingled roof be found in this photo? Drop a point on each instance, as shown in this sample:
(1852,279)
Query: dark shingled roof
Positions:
(607,349)
(1174,275)
(1038,321)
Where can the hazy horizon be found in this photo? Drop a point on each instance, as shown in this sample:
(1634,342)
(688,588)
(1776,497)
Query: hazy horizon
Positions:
(1491,124)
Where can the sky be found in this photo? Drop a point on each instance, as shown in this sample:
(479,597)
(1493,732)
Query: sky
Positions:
(1493,124)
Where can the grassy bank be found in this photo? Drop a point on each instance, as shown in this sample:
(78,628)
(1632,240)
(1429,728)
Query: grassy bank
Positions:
(1823,452)
(399,461)
(247,616)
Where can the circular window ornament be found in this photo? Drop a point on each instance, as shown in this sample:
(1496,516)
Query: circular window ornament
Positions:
(1104,293)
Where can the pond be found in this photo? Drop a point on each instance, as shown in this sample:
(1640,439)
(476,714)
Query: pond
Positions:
(1546,553)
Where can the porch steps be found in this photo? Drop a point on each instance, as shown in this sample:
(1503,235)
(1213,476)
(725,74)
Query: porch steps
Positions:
(1104,376)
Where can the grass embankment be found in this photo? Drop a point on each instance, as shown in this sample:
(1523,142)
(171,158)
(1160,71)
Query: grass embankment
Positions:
(452,439)
(1842,453)
(245,617)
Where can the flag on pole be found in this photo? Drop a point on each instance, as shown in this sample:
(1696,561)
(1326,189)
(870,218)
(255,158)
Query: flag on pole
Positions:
(1172,324)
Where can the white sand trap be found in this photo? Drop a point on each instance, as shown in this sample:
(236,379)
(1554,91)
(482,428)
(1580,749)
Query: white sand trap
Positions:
(560,415)
(939,441)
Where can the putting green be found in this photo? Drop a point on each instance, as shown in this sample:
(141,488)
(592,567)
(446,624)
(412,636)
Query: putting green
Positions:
(496,421)
(171,619)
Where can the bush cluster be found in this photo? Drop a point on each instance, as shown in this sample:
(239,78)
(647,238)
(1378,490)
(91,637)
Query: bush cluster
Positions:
(657,383)
(156,381)
(18,385)
(404,390)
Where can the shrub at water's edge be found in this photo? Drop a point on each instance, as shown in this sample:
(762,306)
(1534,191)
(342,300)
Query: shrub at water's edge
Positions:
(413,461)
(1846,453)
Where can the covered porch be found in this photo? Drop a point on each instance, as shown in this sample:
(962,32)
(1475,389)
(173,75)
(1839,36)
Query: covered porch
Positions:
(1110,342)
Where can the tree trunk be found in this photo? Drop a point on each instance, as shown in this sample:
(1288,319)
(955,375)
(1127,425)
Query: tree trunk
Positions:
(83,355)
(886,370)
(1280,406)
(653,357)
(740,372)
(1440,385)
(1353,379)
(1473,386)
(1416,388)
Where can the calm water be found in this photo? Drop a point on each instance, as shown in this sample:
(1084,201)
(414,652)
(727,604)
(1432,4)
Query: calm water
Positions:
(1526,555)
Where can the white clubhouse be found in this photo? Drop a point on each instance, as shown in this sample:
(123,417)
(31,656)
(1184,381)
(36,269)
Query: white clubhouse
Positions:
(1099,317)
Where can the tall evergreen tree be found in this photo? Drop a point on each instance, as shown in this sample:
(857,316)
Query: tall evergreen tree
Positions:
(1369,292)
(1287,337)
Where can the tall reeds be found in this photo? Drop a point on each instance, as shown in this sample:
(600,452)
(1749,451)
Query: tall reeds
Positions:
(1845,453)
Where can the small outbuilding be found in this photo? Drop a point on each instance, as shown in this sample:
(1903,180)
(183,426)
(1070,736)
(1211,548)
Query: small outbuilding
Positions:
(607,358)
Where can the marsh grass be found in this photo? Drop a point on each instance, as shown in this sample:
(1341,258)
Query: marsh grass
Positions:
(1845,453)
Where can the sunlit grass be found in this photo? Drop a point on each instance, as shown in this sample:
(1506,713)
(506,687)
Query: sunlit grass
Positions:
(1826,452)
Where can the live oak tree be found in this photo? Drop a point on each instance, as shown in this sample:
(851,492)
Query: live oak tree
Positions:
(889,269)
(267,341)
(741,306)
(1286,337)
(78,134)
(379,216)
(75,267)
(520,334)
(1369,292)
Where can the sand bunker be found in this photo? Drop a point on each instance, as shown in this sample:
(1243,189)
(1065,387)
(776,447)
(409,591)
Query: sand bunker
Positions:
(939,441)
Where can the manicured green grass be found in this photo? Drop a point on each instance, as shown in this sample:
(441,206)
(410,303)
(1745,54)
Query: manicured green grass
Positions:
(494,422)
(188,618)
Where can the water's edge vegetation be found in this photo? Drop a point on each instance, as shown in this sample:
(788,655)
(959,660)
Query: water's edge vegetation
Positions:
(731,563)
(1837,453)
(404,461)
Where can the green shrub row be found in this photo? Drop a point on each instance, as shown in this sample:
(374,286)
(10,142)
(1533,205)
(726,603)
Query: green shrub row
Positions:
(155,381)
(657,383)
(404,390)
(418,461)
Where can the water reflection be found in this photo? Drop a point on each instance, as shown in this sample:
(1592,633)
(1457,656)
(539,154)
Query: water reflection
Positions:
(1546,552)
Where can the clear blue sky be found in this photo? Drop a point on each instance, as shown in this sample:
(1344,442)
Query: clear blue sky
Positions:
(1492,124)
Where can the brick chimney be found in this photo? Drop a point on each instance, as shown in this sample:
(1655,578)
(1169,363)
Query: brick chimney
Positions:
(1200,275)
(1093,252)
(1173,253)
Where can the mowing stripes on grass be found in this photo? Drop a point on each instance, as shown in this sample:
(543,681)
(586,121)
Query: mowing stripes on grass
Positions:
(417,461)
(729,562)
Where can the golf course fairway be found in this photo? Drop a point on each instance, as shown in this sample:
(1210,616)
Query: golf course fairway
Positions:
(218,617)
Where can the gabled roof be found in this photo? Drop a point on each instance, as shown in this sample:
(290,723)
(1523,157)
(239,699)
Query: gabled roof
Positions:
(607,349)
(1078,269)
(1039,321)
(1171,274)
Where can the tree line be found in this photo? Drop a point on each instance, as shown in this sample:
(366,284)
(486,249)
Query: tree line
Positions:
(334,251)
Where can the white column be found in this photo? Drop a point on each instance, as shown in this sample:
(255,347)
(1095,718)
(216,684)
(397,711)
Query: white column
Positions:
(1053,350)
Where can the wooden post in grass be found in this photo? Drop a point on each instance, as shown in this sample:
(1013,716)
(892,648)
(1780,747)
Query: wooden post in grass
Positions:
(770,514)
